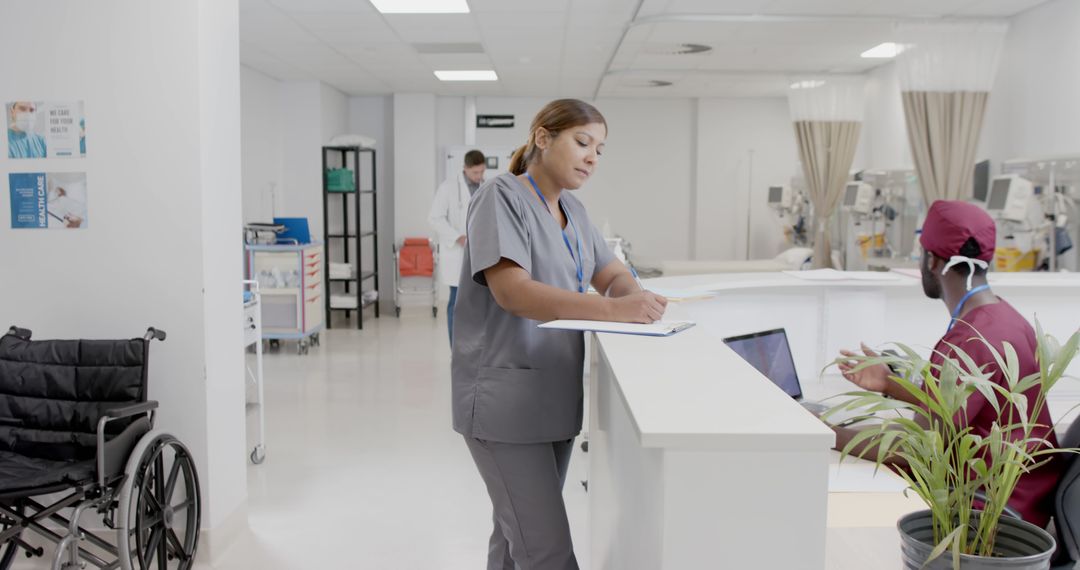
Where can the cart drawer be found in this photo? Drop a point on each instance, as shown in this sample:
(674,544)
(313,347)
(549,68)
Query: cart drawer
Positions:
(280,313)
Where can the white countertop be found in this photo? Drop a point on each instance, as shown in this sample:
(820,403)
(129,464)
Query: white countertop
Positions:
(680,392)
(728,281)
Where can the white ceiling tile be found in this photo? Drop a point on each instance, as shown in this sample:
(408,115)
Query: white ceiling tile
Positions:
(324,5)
(346,28)
(996,7)
(456,60)
(281,71)
(267,26)
(518,6)
(513,21)
(433,27)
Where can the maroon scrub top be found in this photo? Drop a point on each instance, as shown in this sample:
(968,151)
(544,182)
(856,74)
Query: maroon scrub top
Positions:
(999,323)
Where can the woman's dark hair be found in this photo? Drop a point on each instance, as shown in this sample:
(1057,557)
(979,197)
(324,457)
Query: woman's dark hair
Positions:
(474,158)
(556,116)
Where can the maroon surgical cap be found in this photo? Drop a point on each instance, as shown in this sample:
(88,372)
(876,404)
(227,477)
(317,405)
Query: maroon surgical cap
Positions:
(950,223)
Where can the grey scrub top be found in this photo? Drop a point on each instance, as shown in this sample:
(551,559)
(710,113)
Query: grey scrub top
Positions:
(511,381)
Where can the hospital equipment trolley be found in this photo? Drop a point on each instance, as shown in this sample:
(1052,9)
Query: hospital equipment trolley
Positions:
(290,278)
(253,337)
(414,272)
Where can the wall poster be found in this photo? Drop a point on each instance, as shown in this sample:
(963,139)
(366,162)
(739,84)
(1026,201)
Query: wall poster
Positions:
(45,129)
(48,200)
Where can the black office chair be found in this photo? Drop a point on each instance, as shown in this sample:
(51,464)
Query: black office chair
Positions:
(1067,504)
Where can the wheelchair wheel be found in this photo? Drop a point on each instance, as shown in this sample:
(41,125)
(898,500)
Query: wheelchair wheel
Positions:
(159,506)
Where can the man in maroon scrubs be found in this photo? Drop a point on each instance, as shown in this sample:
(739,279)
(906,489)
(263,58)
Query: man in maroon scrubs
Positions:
(958,241)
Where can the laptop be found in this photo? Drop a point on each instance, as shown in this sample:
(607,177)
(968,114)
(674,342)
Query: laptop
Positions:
(770,354)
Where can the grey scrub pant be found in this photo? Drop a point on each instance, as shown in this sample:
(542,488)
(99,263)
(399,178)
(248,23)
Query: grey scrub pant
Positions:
(525,484)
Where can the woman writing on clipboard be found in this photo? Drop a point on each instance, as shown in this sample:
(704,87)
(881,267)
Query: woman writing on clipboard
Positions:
(517,389)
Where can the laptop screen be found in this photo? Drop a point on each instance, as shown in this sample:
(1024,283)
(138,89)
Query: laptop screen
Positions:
(770,354)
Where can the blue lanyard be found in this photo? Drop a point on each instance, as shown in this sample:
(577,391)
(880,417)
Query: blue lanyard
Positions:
(960,306)
(566,240)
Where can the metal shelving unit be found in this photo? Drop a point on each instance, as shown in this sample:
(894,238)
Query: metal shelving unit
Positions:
(351,237)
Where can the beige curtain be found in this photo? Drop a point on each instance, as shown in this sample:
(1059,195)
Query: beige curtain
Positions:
(943,129)
(826,149)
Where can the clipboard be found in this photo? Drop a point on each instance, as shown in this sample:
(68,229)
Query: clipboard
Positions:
(659,328)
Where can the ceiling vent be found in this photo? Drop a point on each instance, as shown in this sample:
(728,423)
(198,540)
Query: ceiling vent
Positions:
(448,48)
(677,49)
(646,83)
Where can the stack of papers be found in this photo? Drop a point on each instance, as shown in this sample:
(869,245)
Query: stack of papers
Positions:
(834,275)
(659,328)
(682,295)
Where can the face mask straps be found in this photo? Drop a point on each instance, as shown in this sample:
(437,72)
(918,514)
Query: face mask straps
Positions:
(972,263)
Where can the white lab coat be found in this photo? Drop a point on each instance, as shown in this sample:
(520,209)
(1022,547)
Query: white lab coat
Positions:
(447,217)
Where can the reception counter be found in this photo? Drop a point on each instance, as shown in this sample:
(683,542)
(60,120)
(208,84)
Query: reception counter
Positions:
(696,460)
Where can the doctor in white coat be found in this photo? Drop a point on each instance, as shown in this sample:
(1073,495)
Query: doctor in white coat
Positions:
(448,213)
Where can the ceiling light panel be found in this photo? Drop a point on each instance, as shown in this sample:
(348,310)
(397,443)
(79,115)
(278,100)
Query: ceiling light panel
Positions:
(883,51)
(467,75)
(421,6)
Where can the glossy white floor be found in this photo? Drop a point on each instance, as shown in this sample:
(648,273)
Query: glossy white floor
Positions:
(363,469)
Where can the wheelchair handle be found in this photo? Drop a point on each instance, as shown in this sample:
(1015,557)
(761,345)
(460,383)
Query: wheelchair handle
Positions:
(20,333)
(152,333)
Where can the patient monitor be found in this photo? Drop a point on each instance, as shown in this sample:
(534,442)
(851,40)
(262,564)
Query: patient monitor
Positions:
(1009,198)
(858,198)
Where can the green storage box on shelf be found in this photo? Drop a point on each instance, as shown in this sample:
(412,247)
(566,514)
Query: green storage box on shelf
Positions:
(340,180)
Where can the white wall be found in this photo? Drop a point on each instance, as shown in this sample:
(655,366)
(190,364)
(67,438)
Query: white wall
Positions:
(157,151)
(219,104)
(645,178)
(262,154)
(744,146)
(884,135)
(415,157)
(1033,108)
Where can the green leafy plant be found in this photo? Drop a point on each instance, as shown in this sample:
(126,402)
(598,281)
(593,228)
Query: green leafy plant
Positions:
(950,467)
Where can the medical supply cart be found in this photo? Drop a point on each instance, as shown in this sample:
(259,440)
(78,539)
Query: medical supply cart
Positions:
(290,278)
(253,337)
(352,241)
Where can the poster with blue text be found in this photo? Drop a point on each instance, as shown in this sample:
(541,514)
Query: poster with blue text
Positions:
(48,200)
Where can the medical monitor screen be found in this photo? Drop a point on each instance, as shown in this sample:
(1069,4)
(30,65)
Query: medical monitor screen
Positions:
(981,181)
(999,194)
(776,194)
(769,353)
(851,195)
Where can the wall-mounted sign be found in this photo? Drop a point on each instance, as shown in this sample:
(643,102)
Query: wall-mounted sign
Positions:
(48,200)
(45,129)
(494,121)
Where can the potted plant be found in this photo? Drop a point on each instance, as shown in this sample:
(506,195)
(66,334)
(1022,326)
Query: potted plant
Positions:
(953,470)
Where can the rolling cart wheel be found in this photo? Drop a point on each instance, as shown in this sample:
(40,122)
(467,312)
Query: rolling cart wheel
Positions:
(275,344)
(301,347)
(434,312)
(258,455)
(397,312)
(585,446)
(315,340)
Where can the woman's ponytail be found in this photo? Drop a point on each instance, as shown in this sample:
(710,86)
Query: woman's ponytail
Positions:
(517,161)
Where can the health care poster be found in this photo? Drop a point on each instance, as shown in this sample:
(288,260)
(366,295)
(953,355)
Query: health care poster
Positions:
(45,129)
(48,200)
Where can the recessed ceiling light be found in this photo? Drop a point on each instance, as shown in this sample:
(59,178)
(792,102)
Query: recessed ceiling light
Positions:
(809,84)
(467,75)
(883,51)
(421,6)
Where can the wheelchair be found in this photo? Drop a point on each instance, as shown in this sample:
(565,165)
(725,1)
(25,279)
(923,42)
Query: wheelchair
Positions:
(77,436)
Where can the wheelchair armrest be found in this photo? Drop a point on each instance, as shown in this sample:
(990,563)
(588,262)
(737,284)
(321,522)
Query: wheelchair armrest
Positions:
(115,414)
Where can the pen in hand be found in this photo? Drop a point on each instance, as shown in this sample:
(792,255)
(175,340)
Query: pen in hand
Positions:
(636,278)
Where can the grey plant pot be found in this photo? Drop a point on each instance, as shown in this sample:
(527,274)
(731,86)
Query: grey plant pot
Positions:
(1019,546)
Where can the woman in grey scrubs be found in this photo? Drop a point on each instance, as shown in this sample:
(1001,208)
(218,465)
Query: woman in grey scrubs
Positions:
(517,391)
